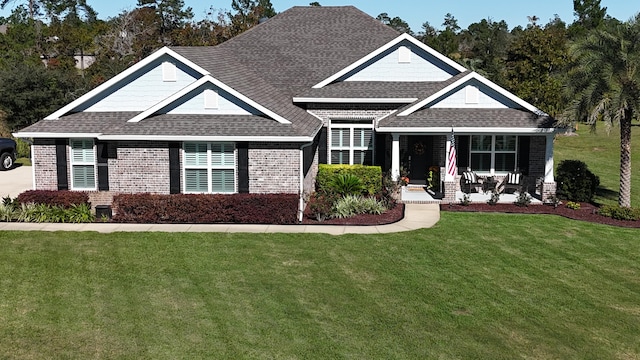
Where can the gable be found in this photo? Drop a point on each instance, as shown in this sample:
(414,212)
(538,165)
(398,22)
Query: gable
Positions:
(473,95)
(209,99)
(402,62)
(143,88)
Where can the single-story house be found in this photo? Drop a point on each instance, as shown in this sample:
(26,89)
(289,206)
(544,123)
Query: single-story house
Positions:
(258,113)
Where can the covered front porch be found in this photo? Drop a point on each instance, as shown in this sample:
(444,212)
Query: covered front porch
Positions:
(421,159)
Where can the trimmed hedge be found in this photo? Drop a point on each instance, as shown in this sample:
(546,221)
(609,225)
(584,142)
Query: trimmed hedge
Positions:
(371,176)
(206,208)
(61,198)
(620,213)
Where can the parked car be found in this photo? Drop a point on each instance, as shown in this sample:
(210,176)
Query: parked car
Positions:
(7,153)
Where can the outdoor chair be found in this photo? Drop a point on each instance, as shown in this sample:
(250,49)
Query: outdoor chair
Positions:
(471,179)
(513,181)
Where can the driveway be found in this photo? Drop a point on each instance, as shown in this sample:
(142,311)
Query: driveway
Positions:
(15,181)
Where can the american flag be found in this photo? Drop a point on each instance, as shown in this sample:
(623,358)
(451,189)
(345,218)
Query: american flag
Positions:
(453,167)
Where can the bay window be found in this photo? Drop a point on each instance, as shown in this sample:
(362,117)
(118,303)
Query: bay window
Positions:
(351,142)
(209,168)
(83,164)
(493,153)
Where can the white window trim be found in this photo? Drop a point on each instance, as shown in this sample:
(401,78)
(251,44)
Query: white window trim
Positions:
(73,163)
(493,153)
(351,148)
(209,167)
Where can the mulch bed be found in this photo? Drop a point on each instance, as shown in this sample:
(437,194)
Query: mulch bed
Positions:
(587,212)
(388,217)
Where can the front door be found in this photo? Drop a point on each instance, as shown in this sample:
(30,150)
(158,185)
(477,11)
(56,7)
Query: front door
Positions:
(421,152)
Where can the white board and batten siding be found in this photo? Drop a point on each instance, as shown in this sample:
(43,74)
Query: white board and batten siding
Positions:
(403,63)
(145,88)
(474,95)
(211,101)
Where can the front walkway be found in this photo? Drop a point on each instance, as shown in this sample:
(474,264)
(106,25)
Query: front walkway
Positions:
(416,216)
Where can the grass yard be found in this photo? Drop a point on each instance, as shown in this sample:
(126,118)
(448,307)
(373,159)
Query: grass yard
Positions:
(486,286)
(601,152)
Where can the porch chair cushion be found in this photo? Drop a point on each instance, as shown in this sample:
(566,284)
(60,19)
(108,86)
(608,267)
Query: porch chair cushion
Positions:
(470,178)
(513,181)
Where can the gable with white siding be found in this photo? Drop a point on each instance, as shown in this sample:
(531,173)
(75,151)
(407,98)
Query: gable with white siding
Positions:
(144,88)
(473,95)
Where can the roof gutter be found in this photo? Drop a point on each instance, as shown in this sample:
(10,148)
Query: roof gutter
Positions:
(466,130)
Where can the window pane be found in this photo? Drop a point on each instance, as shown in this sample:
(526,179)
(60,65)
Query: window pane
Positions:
(195,154)
(505,161)
(363,157)
(340,157)
(222,155)
(82,151)
(481,143)
(223,181)
(84,177)
(363,138)
(340,137)
(481,162)
(196,180)
(505,143)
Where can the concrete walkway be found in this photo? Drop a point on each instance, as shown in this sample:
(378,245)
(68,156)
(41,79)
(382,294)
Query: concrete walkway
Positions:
(416,216)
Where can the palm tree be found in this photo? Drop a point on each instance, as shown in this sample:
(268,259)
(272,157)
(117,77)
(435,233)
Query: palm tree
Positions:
(605,86)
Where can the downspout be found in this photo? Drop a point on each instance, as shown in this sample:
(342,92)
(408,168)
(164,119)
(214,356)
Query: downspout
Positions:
(301,202)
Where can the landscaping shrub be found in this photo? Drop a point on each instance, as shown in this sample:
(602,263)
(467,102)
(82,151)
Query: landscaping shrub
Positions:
(346,184)
(62,198)
(575,181)
(523,199)
(620,212)
(351,205)
(206,208)
(39,213)
(371,176)
(321,206)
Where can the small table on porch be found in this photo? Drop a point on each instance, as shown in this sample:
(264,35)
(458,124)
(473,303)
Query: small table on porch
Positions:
(489,184)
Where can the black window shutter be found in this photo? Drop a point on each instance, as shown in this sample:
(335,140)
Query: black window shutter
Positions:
(462,150)
(61,164)
(174,167)
(103,166)
(380,151)
(322,146)
(243,167)
(523,154)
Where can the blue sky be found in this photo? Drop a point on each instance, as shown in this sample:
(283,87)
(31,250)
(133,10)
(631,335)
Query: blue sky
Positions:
(415,12)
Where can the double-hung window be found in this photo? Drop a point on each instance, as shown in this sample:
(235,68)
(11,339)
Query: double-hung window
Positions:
(493,153)
(351,142)
(209,168)
(83,164)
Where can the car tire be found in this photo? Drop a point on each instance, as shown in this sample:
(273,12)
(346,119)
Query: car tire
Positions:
(6,161)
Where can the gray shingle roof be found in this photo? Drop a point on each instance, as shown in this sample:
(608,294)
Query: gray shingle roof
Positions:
(115,123)
(444,117)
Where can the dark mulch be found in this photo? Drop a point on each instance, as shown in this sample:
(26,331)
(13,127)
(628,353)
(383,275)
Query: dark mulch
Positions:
(388,217)
(587,212)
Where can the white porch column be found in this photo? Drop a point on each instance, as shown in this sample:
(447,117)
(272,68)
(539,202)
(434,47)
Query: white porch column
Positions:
(548,166)
(447,176)
(395,156)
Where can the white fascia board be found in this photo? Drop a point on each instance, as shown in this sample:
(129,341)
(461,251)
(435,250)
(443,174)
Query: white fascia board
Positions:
(51,135)
(207,138)
(354,100)
(121,76)
(384,48)
(203,80)
(465,130)
(467,78)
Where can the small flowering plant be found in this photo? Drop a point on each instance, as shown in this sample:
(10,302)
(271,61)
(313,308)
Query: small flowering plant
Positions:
(433,178)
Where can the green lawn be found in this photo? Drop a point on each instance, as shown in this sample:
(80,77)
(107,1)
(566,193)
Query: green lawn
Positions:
(601,152)
(485,286)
